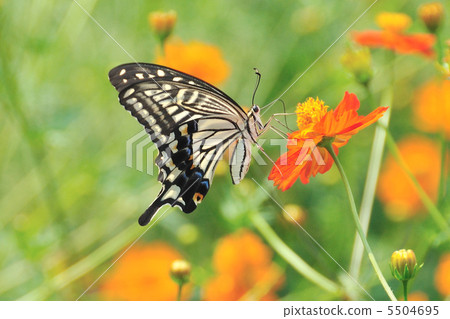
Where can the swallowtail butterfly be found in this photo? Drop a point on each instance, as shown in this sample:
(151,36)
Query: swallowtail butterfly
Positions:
(192,123)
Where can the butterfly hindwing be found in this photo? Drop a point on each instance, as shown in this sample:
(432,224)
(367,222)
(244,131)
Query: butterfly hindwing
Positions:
(191,122)
(240,160)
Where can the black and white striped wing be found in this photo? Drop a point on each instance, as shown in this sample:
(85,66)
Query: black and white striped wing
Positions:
(191,122)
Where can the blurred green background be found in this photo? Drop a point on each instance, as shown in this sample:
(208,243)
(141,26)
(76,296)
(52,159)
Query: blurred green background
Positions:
(69,204)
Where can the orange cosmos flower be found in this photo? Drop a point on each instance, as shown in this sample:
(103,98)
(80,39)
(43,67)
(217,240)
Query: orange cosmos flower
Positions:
(195,58)
(245,270)
(306,155)
(432,107)
(143,273)
(392,36)
(396,190)
(442,276)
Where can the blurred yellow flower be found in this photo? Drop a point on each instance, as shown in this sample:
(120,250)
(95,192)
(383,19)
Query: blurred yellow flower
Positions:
(396,190)
(195,58)
(143,273)
(432,107)
(442,275)
(244,268)
(393,21)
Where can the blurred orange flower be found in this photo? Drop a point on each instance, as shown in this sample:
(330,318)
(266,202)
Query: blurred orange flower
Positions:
(143,273)
(442,275)
(306,156)
(396,190)
(244,268)
(392,36)
(195,58)
(417,296)
(432,107)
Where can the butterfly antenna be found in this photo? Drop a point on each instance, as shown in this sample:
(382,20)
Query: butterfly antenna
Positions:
(258,79)
(274,164)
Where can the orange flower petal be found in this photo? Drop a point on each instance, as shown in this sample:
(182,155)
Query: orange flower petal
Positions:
(419,43)
(344,121)
(373,39)
(361,122)
(301,161)
(349,102)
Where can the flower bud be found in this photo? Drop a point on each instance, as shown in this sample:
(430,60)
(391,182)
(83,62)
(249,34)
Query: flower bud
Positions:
(359,62)
(162,23)
(404,265)
(180,271)
(432,15)
(294,214)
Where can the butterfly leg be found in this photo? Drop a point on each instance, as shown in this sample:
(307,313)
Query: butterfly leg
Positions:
(267,125)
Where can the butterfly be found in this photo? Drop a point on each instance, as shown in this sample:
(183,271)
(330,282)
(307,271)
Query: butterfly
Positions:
(192,123)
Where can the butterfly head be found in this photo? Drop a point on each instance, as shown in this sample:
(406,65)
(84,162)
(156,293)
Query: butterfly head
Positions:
(255,114)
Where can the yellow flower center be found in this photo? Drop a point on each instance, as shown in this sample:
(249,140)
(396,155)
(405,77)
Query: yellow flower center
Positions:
(395,22)
(310,112)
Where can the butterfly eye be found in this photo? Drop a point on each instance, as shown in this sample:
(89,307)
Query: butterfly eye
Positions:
(255,109)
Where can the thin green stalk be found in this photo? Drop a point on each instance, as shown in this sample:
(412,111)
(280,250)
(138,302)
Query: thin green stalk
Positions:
(355,216)
(180,287)
(426,200)
(405,289)
(439,49)
(373,169)
(443,178)
(291,257)
(368,197)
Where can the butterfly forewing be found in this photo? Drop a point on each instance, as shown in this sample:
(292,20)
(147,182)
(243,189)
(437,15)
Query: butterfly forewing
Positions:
(191,122)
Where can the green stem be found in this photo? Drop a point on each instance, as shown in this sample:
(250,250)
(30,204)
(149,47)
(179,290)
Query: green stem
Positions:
(443,178)
(370,99)
(426,200)
(439,49)
(291,257)
(180,287)
(405,289)
(370,254)
(373,171)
